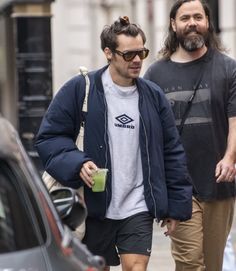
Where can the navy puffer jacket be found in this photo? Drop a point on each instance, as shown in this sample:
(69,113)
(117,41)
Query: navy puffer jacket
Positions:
(167,187)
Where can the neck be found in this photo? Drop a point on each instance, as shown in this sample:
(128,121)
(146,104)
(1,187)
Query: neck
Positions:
(181,55)
(120,80)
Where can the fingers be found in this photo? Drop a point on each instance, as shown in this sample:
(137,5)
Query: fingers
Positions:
(225,173)
(230,175)
(86,173)
(218,170)
(170,224)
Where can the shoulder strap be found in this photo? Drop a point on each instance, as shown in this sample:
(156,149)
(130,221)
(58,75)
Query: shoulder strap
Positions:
(80,138)
(84,71)
(195,88)
(190,101)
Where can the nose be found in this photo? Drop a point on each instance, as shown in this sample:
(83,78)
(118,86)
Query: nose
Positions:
(192,21)
(137,58)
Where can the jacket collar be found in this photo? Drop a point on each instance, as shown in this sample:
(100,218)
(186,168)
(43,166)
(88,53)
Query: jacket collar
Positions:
(98,79)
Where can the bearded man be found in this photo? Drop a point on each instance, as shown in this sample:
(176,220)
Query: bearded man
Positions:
(199,80)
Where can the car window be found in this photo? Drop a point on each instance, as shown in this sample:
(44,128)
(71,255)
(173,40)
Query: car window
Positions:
(17,228)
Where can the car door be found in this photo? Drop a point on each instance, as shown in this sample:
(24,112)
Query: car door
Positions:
(21,234)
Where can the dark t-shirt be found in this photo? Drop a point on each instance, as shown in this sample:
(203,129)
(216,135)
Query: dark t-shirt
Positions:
(205,130)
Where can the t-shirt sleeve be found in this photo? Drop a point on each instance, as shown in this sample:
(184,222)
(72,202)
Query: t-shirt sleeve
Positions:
(231,107)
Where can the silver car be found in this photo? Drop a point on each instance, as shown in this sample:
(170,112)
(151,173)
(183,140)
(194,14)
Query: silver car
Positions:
(32,234)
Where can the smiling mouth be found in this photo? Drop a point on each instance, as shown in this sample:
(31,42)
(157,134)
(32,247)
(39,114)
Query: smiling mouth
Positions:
(192,32)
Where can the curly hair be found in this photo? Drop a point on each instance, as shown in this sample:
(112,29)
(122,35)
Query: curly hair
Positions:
(171,42)
(109,34)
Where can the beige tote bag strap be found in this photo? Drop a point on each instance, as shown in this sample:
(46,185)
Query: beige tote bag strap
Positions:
(84,72)
(80,138)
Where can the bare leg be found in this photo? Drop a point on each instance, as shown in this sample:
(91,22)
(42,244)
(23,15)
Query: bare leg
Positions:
(134,262)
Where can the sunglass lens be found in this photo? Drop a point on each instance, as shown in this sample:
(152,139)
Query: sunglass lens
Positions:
(129,56)
(143,54)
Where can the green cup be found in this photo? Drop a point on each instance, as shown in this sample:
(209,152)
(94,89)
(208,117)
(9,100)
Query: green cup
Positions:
(99,177)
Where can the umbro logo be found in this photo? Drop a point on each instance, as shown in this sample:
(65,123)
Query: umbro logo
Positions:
(123,121)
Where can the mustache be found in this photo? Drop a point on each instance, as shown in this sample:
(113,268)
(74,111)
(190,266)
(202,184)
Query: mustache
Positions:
(192,29)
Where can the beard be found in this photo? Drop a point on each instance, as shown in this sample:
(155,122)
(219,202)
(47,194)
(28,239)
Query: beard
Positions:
(191,42)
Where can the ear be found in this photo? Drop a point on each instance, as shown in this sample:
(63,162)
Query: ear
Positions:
(108,53)
(173,25)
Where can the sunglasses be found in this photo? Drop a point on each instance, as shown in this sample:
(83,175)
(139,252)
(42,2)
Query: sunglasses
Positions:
(130,55)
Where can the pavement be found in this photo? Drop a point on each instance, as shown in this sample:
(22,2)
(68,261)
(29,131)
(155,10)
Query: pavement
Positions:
(161,259)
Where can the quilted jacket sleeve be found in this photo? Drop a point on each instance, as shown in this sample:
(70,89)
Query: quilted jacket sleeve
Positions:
(60,126)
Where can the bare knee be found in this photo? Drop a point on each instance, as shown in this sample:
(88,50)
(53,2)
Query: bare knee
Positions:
(134,262)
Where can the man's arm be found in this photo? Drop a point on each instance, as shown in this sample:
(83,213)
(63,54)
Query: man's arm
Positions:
(225,169)
(56,137)
(178,181)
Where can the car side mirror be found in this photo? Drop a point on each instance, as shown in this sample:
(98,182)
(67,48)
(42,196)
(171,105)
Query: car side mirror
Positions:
(70,206)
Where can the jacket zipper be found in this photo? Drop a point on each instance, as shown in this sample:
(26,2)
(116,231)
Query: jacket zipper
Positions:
(106,146)
(149,168)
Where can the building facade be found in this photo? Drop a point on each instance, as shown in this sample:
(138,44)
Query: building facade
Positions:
(43,43)
(77,24)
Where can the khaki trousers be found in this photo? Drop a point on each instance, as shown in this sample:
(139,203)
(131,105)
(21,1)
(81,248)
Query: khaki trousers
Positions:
(198,244)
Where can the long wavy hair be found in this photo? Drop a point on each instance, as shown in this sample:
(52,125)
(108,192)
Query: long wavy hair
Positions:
(171,42)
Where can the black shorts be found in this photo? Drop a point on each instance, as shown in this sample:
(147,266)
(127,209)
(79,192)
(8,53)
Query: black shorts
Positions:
(109,238)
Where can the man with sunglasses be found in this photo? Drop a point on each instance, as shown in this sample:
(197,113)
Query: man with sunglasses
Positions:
(129,129)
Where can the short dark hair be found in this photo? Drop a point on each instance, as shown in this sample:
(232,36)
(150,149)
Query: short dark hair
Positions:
(121,26)
(171,43)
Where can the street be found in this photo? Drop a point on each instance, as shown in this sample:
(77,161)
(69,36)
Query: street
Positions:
(161,259)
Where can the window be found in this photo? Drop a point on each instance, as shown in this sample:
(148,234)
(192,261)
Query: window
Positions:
(17,228)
